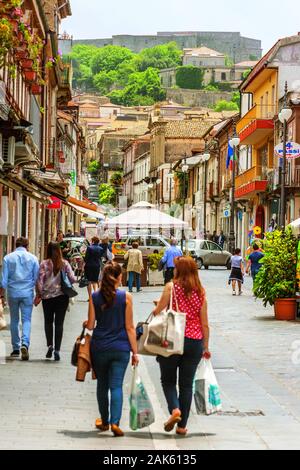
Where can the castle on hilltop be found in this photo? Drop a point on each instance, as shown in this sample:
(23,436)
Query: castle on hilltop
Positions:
(237,47)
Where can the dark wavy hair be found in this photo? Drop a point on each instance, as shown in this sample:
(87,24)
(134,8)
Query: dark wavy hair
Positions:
(110,274)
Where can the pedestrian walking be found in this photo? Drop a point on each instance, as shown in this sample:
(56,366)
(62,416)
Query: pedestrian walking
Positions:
(135,266)
(221,240)
(107,250)
(168,260)
(55,302)
(191,299)
(19,275)
(237,272)
(64,245)
(254,265)
(93,257)
(215,237)
(114,336)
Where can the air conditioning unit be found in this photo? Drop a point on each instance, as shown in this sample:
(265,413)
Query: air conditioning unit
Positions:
(8,151)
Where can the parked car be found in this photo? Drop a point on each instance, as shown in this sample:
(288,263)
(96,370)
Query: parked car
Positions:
(147,243)
(208,253)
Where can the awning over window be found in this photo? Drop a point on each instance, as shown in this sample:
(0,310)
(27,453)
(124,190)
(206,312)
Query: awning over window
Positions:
(85,207)
(84,210)
(25,188)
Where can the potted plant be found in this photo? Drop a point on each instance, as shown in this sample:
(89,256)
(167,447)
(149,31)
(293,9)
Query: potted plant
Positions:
(155,277)
(276,282)
(30,75)
(36,89)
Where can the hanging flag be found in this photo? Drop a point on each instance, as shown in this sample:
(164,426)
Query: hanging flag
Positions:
(230,153)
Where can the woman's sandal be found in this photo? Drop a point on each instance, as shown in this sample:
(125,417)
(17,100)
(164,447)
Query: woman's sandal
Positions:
(181,431)
(172,421)
(102,427)
(117,432)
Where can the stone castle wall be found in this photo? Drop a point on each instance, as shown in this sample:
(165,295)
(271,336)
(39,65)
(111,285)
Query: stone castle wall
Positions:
(232,44)
(196,98)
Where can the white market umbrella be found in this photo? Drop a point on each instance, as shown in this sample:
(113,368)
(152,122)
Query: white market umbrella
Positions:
(144,215)
(295,226)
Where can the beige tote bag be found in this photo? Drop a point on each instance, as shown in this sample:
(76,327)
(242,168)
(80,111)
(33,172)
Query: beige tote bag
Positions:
(166,331)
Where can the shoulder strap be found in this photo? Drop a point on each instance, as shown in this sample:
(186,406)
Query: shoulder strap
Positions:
(173,290)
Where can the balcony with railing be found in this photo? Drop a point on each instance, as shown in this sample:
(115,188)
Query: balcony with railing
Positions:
(64,82)
(251,182)
(256,124)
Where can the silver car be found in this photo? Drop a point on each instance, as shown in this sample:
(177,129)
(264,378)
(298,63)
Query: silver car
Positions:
(147,243)
(208,254)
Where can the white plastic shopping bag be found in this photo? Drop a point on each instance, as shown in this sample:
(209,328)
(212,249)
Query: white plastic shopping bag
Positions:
(141,410)
(3,323)
(207,392)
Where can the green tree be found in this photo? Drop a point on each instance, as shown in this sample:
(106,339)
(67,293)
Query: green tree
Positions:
(107,194)
(228,61)
(159,57)
(93,167)
(105,81)
(110,58)
(224,105)
(144,88)
(189,77)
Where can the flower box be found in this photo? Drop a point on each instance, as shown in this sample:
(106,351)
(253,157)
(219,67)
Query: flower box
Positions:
(36,89)
(30,75)
(20,54)
(27,64)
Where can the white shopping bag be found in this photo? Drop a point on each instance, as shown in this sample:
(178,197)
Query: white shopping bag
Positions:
(165,335)
(141,409)
(207,393)
(3,323)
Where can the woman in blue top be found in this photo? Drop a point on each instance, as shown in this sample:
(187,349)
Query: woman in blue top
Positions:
(114,336)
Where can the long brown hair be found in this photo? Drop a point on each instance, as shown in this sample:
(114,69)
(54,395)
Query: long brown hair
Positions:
(54,253)
(187,275)
(110,274)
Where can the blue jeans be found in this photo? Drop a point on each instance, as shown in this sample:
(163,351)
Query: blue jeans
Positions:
(25,305)
(110,368)
(131,280)
(187,367)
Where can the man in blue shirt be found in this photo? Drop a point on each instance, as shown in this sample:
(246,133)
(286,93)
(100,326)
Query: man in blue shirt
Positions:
(19,276)
(168,260)
(254,261)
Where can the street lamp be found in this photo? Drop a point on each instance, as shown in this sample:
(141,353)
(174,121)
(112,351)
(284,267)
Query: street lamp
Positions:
(284,116)
(184,169)
(234,143)
(205,159)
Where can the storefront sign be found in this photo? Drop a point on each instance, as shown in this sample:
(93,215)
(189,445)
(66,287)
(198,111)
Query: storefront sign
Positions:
(56,204)
(292,150)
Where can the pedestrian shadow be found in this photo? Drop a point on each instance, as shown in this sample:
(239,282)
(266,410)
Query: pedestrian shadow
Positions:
(132,435)
(82,434)
(161,435)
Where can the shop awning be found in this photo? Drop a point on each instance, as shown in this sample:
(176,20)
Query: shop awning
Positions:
(25,188)
(53,188)
(85,208)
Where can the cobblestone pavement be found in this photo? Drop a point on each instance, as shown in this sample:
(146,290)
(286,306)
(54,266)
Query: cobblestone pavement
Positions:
(42,407)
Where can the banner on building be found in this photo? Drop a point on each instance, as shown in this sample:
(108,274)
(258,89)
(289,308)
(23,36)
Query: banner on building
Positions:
(55,205)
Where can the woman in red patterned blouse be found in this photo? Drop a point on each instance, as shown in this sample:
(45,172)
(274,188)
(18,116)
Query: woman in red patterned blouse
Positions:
(191,300)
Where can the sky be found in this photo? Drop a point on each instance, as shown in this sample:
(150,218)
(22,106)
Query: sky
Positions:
(267,20)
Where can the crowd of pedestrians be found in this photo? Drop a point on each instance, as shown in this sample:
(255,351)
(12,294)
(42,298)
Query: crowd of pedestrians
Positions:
(110,321)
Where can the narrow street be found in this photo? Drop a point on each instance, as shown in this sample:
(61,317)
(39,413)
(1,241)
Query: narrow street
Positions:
(42,407)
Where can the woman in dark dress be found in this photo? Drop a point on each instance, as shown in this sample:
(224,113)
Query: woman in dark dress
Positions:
(92,267)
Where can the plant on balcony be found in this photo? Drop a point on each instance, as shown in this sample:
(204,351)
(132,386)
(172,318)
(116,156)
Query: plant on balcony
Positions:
(276,280)
(183,182)
(93,167)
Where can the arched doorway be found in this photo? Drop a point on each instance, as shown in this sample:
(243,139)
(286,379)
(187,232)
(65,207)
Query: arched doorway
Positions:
(260,219)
